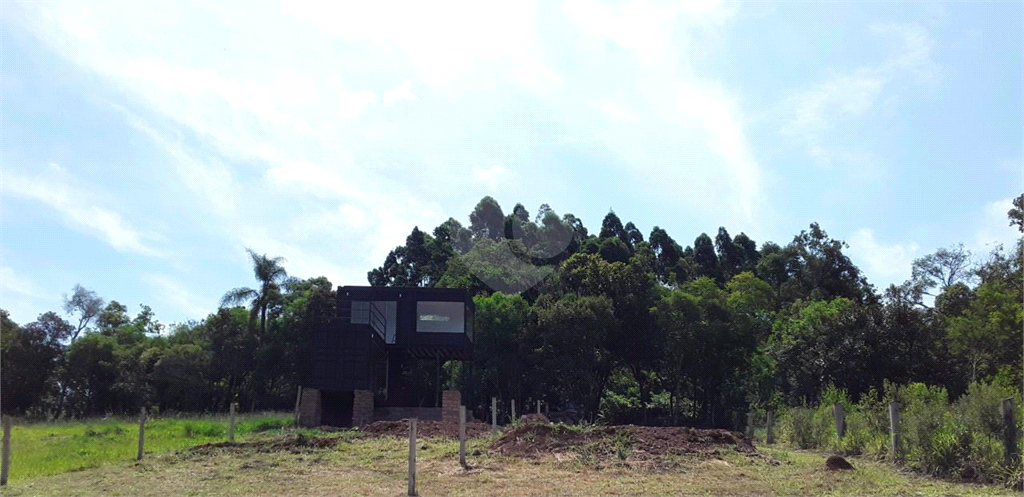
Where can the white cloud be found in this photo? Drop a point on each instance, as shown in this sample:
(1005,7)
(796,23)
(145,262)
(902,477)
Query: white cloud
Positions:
(843,96)
(11,282)
(401,92)
(355,103)
(282,129)
(310,179)
(811,113)
(79,209)
(994,228)
(882,263)
(346,220)
(213,182)
(494,177)
(171,292)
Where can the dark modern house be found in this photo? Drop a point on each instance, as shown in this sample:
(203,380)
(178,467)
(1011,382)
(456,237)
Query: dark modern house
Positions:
(359,356)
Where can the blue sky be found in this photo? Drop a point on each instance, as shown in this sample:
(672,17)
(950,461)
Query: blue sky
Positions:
(145,145)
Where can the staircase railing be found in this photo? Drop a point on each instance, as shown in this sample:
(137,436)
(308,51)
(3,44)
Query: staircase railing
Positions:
(378,322)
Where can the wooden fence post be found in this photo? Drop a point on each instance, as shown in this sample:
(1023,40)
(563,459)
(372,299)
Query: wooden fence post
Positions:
(6,462)
(142,433)
(494,414)
(412,457)
(840,415)
(538,406)
(894,429)
(462,437)
(750,426)
(771,425)
(231,425)
(1009,430)
(298,403)
(513,410)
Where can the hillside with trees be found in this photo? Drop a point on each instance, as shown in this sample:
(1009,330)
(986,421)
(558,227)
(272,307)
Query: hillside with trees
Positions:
(630,328)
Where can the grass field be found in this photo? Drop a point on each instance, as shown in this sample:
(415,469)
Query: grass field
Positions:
(42,449)
(295,463)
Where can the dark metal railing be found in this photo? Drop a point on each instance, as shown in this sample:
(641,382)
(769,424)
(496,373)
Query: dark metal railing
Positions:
(378,322)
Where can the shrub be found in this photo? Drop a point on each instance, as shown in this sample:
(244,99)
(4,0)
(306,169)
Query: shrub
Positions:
(801,426)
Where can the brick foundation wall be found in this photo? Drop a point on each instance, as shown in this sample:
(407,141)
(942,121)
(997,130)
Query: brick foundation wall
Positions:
(309,408)
(451,400)
(362,408)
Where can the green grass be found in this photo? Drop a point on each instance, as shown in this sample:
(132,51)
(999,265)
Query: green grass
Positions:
(377,466)
(43,449)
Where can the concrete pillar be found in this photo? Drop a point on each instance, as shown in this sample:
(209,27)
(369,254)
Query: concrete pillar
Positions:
(309,408)
(362,407)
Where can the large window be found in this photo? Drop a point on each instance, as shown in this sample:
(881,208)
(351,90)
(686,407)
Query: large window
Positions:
(441,317)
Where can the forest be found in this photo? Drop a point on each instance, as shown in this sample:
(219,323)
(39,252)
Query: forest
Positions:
(630,328)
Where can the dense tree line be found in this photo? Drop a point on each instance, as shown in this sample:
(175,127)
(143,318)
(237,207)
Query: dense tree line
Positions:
(627,327)
(113,363)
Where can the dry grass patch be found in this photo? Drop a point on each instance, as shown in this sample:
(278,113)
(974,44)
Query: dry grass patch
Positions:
(347,463)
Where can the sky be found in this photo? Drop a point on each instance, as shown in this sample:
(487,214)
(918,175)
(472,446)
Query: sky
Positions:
(145,145)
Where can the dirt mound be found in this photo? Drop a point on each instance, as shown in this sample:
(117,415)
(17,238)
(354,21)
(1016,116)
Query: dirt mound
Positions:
(535,418)
(424,429)
(836,463)
(637,442)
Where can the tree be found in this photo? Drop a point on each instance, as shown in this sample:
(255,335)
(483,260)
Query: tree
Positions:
(1016,213)
(632,339)
(487,220)
(611,227)
(86,304)
(989,334)
(113,316)
(730,256)
(234,352)
(28,359)
(573,331)
(521,213)
(705,258)
(633,235)
(941,269)
(748,250)
(451,234)
(666,256)
(92,371)
(613,250)
(820,271)
(502,353)
(828,342)
(270,274)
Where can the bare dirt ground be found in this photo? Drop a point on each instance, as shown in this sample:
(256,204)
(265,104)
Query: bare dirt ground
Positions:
(528,459)
(425,429)
(642,442)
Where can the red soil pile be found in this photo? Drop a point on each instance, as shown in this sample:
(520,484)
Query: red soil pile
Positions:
(424,429)
(638,442)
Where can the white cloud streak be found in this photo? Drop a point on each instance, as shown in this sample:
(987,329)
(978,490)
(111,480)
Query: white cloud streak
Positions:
(392,115)
(882,263)
(812,113)
(173,293)
(79,210)
(994,228)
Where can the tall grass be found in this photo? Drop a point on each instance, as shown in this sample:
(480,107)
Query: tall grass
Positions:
(960,439)
(40,449)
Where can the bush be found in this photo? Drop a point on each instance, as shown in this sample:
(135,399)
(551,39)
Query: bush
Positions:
(802,427)
(960,440)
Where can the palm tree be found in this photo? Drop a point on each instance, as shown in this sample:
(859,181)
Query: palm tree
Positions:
(270,274)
